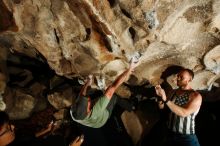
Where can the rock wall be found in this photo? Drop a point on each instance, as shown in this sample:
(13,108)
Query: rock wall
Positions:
(80,37)
(84,36)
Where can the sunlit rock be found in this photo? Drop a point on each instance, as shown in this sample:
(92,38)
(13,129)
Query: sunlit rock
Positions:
(61,99)
(212,60)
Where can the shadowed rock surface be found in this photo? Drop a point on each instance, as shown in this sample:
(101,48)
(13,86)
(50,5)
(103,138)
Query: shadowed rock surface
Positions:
(46,46)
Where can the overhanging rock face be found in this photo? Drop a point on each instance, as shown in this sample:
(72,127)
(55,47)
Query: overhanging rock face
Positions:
(84,36)
(81,37)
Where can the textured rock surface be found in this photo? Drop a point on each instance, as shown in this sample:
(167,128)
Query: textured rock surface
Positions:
(80,37)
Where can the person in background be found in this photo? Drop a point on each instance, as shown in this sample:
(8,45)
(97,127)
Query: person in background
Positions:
(77,141)
(8,136)
(184,104)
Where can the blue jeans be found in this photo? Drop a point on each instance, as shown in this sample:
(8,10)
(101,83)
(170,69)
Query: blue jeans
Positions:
(175,139)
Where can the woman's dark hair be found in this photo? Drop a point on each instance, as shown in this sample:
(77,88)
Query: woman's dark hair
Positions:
(4,118)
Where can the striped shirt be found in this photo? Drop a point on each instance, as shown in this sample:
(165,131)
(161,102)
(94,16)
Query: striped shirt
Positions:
(178,124)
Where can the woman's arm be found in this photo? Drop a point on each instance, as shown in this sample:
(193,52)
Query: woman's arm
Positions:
(45,131)
(78,141)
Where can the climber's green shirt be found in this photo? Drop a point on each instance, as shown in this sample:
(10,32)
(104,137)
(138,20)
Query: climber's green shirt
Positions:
(98,115)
